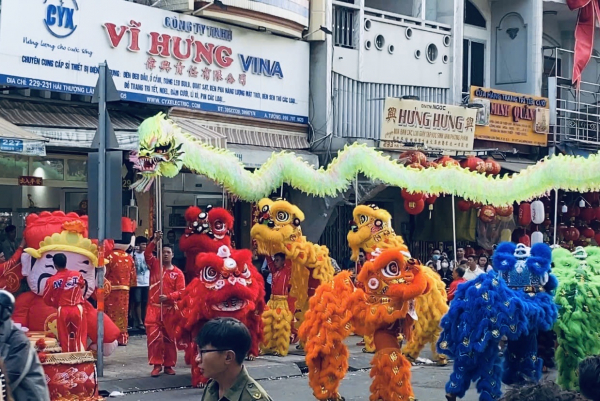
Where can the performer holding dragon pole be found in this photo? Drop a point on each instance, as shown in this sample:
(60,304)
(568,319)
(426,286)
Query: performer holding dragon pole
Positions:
(162,351)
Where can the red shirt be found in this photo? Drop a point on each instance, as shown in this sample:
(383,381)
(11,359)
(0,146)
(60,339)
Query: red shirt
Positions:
(173,279)
(453,286)
(65,288)
(281,278)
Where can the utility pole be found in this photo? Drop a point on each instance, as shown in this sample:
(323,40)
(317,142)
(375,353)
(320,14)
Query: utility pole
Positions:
(104,190)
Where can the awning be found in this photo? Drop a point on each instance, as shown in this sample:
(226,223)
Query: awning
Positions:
(82,139)
(66,125)
(202,133)
(16,140)
(256,156)
(259,136)
(515,164)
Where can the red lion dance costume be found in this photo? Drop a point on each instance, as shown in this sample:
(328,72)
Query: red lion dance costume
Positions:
(46,234)
(384,309)
(227,285)
(120,271)
(206,232)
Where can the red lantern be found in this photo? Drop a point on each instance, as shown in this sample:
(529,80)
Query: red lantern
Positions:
(504,211)
(487,214)
(574,211)
(447,161)
(592,197)
(464,205)
(492,167)
(562,229)
(588,214)
(547,223)
(474,164)
(412,196)
(588,232)
(597,238)
(525,240)
(412,156)
(572,234)
(430,199)
(414,207)
(524,214)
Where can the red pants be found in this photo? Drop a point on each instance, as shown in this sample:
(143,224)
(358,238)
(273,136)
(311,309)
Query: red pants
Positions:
(161,348)
(72,328)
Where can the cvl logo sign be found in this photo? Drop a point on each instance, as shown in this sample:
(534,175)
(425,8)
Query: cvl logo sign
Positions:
(60,17)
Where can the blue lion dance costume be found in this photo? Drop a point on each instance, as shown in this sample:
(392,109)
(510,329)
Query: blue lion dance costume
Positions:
(513,301)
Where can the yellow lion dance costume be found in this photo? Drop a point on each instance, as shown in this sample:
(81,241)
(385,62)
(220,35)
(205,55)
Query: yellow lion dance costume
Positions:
(383,310)
(278,231)
(373,230)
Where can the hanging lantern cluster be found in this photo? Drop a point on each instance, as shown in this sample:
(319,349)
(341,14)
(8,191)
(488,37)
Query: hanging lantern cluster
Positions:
(580,221)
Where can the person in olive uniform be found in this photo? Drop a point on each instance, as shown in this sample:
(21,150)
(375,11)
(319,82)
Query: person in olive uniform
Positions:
(223,344)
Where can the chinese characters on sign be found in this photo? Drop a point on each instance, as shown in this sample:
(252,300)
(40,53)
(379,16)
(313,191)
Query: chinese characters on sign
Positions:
(511,117)
(30,181)
(437,126)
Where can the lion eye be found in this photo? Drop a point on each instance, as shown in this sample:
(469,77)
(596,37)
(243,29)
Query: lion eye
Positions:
(219,225)
(391,270)
(363,219)
(209,274)
(282,216)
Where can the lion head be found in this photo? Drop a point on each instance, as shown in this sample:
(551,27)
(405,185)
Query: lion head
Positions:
(279,223)
(372,229)
(159,153)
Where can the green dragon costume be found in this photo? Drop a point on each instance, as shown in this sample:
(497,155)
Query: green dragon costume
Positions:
(578,300)
(164,150)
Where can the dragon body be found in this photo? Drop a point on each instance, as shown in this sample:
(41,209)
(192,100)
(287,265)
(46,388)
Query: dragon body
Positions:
(381,308)
(578,300)
(373,230)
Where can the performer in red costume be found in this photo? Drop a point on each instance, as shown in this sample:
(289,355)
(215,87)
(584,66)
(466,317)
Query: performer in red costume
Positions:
(120,271)
(207,232)
(162,351)
(64,291)
(227,285)
(10,271)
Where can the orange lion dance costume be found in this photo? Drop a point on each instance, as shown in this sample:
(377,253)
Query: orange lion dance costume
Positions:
(384,310)
(373,230)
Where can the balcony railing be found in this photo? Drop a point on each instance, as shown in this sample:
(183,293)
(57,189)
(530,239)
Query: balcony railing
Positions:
(345,25)
(575,115)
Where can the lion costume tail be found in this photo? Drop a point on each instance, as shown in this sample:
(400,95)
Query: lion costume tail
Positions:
(326,325)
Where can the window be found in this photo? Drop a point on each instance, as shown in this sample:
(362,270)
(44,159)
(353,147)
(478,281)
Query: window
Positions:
(344,20)
(13,166)
(473,16)
(77,170)
(48,169)
(473,64)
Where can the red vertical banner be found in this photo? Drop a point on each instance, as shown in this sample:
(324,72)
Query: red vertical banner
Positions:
(589,13)
(151,216)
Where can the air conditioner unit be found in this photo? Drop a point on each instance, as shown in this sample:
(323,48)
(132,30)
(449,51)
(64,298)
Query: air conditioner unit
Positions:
(182,6)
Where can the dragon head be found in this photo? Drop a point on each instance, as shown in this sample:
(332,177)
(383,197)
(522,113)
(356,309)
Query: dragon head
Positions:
(159,152)
(278,224)
(372,229)
(232,285)
(393,275)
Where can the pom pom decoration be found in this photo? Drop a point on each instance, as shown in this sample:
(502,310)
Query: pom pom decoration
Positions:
(430,199)
(413,157)
(537,212)
(414,207)
(487,214)
(524,214)
(504,211)
(222,166)
(40,344)
(42,356)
